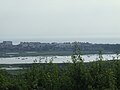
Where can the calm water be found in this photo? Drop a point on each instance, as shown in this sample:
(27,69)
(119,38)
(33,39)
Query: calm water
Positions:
(56,59)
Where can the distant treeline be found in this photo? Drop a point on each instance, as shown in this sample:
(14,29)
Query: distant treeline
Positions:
(86,47)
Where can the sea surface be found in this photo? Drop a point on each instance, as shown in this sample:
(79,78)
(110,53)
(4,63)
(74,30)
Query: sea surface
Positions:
(54,59)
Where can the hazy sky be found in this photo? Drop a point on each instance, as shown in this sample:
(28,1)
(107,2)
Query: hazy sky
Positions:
(59,19)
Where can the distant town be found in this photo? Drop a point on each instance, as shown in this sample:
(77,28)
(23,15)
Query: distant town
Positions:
(55,48)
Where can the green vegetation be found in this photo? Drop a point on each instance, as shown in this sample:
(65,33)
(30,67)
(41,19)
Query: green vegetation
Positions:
(74,76)
(98,75)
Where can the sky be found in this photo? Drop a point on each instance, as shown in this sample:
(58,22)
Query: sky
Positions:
(60,20)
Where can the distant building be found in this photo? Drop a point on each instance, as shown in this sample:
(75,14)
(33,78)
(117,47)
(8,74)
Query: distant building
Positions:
(7,43)
(24,44)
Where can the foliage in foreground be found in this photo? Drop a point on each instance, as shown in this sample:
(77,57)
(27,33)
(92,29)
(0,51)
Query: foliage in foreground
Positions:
(99,75)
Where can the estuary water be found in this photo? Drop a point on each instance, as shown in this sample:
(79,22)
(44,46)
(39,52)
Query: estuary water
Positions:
(54,59)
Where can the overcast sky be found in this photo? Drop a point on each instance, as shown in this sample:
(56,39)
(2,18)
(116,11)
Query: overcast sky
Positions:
(60,20)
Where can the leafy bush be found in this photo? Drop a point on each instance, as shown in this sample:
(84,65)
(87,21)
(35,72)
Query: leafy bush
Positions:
(78,75)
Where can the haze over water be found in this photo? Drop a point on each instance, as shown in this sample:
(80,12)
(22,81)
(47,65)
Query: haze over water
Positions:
(95,21)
